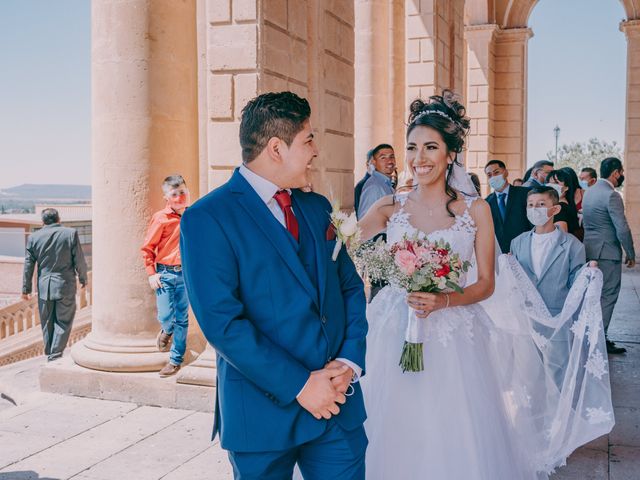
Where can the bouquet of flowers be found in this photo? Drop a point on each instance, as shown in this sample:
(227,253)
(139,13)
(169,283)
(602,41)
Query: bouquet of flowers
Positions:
(416,265)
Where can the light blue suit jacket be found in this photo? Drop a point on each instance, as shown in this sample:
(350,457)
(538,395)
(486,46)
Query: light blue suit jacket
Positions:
(269,324)
(559,270)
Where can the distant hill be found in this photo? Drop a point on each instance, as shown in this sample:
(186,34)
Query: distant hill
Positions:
(47,192)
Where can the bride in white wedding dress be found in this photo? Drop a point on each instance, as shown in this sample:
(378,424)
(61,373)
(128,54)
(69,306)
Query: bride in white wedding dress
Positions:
(487,405)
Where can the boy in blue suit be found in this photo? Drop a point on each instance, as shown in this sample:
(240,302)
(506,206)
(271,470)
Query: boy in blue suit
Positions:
(288,323)
(550,257)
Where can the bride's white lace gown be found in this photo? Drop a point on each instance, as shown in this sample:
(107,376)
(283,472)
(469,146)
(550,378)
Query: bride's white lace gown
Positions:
(452,421)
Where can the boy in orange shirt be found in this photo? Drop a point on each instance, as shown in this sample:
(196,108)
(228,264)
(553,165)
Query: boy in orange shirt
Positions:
(161,255)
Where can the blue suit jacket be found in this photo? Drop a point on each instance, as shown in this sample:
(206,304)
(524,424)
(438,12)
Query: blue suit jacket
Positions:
(270,326)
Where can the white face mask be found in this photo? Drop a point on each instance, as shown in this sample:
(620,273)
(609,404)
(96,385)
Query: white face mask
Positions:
(497,182)
(556,187)
(538,216)
(584,184)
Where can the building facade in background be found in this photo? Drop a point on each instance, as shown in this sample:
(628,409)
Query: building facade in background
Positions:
(169,80)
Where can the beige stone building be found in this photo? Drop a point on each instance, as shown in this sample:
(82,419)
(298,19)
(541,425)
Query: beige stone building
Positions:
(169,80)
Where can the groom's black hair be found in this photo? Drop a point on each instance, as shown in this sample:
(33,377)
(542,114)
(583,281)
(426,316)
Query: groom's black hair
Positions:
(269,115)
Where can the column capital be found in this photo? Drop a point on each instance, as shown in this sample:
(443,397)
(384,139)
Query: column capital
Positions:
(520,35)
(631,28)
(486,31)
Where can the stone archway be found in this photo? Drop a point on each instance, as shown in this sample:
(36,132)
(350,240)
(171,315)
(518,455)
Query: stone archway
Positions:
(497,34)
(515,14)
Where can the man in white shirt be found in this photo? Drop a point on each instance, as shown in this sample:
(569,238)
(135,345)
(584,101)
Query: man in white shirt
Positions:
(550,257)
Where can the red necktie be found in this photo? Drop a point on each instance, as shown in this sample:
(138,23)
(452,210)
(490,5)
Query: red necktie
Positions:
(284,201)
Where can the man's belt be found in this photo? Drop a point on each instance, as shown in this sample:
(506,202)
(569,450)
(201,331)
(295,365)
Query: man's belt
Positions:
(171,268)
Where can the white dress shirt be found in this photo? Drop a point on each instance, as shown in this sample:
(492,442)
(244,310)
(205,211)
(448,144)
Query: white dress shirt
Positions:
(266,190)
(541,246)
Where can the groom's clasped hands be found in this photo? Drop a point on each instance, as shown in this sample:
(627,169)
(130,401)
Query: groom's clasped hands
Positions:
(325,390)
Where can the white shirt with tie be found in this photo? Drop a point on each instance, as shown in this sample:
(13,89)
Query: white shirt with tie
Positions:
(266,190)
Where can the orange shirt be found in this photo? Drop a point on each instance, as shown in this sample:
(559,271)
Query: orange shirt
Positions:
(162,242)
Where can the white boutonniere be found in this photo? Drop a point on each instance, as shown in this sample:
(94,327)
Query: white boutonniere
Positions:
(346,229)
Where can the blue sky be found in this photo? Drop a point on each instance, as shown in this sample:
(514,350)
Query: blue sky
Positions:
(45,100)
(577,74)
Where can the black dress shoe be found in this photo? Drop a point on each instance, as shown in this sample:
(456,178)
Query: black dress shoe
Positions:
(54,356)
(613,349)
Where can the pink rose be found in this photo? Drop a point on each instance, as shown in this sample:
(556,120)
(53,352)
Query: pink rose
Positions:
(406,261)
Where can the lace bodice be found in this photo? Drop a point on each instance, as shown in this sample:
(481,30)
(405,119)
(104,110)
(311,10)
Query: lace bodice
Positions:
(461,235)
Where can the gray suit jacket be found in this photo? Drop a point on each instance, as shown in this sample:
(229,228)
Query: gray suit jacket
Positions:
(56,250)
(606,230)
(558,271)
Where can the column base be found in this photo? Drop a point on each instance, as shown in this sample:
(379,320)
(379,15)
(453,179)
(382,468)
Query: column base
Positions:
(66,378)
(202,371)
(118,358)
(134,355)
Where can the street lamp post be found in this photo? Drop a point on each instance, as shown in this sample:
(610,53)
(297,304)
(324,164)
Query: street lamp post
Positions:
(556,132)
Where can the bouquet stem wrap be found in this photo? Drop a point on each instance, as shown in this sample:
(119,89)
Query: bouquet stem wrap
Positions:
(412,358)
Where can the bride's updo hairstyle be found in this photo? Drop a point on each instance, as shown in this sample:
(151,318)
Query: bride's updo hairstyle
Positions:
(448,116)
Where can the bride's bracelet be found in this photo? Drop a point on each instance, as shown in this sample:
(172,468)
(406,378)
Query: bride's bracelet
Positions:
(448,300)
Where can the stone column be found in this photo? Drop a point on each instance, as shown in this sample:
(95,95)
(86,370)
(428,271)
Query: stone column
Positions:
(510,98)
(434,33)
(480,97)
(379,86)
(631,29)
(144,127)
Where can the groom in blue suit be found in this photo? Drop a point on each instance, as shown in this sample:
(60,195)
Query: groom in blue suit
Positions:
(288,323)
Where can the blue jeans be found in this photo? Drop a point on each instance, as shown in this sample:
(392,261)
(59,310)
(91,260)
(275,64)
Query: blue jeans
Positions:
(173,311)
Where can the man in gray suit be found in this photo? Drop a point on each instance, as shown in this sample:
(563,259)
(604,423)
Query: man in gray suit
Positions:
(606,233)
(56,250)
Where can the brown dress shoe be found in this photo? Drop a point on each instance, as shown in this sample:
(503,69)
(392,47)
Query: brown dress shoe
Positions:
(169,369)
(163,340)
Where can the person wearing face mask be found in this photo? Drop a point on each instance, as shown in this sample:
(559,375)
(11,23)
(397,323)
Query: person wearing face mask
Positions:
(550,257)
(588,177)
(508,205)
(538,173)
(161,255)
(567,218)
(606,234)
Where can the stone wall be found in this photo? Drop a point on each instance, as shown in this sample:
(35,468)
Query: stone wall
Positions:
(306,46)
(632,140)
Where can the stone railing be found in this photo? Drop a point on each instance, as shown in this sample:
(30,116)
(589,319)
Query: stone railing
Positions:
(20,331)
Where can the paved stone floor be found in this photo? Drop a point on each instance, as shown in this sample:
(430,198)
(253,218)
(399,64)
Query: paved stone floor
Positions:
(51,437)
